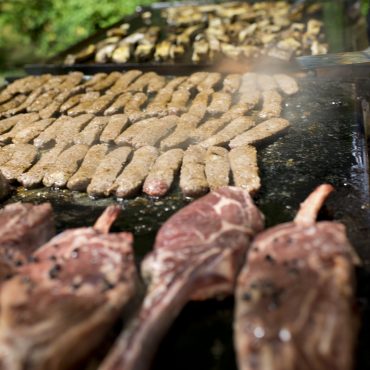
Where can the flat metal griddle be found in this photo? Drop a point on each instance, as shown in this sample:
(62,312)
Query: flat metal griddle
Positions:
(340,27)
(326,143)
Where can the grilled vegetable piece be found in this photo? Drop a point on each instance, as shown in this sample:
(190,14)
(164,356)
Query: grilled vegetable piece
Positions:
(68,298)
(24,228)
(197,255)
(295,295)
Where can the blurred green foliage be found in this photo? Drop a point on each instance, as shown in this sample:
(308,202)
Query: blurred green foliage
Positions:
(32,30)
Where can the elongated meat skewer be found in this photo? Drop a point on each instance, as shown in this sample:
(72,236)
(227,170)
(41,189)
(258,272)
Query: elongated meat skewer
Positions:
(217,167)
(295,295)
(193,180)
(68,298)
(107,171)
(261,132)
(197,255)
(162,173)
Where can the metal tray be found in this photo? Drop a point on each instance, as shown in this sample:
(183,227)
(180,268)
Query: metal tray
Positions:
(344,27)
(326,143)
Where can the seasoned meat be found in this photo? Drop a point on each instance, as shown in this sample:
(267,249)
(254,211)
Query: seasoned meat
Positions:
(7,123)
(26,103)
(124,81)
(104,83)
(209,127)
(82,178)
(217,167)
(133,107)
(231,83)
(94,80)
(162,174)
(23,156)
(86,101)
(193,80)
(197,255)
(234,128)
(34,176)
(91,133)
(261,132)
(175,83)
(71,128)
(116,124)
(158,106)
(179,101)
(211,80)
(107,171)
(72,79)
(4,187)
(134,174)
(28,133)
(71,102)
(68,299)
(220,102)
(295,296)
(158,129)
(156,83)
(53,108)
(287,84)
(135,129)
(244,167)
(193,180)
(272,104)
(43,100)
(249,90)
(181,137)
(100,104)
(266,82)
(65,166)
(24,228)
(199,105)
(118,105)
(48,136)
(8,108)
(142,82)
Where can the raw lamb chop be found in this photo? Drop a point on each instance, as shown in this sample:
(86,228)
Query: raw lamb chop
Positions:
(197,255)
(295,295)
(23,228)
(60,307)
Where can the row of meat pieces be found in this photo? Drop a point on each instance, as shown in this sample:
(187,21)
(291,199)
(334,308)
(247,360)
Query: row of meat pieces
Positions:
(124,173)
(169,131)
(294,295)
(132,92)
